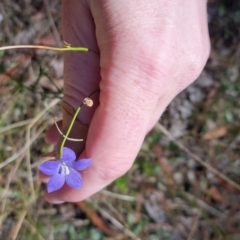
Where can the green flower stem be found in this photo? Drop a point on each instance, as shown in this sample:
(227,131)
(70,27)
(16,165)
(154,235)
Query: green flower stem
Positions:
(68,131)
(72,122)
(61,49)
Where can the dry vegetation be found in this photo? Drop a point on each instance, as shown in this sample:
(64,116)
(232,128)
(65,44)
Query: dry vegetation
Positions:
(184,183)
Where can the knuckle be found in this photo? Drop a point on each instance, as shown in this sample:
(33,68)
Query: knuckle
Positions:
(112,171)
(193,67)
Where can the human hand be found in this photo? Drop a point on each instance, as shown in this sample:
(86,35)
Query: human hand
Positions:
(149,52)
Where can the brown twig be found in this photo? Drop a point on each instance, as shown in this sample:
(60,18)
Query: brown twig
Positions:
(161,128)
(93,216)
(194,227)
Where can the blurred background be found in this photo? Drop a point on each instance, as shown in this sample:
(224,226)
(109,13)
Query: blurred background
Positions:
(185,181)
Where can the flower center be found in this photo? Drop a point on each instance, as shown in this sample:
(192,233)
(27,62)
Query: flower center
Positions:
(65,168)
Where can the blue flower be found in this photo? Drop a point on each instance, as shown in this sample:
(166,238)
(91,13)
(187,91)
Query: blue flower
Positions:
(64,169)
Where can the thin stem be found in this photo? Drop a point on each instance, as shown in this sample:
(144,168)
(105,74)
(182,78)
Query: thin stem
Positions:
(62,49)
(71,139)
(65,137)
(69,129)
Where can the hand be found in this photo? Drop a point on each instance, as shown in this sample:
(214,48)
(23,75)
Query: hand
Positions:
(149,52)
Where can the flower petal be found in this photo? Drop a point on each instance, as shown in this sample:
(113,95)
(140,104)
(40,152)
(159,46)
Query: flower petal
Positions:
(68,155)
(49,168)
(74,179)
(81,164)
(55,182)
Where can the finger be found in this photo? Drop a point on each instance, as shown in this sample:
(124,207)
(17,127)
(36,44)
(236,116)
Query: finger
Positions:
(81,69)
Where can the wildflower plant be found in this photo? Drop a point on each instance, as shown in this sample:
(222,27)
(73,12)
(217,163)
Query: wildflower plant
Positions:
(64,168)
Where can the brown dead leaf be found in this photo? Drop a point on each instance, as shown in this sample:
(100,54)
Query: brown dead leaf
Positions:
(139,204)
(95,218)
(215,194)
(21,62)
(231,189)
(165,164)
(215,133)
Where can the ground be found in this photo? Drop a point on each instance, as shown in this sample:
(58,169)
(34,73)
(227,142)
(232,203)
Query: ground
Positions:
(185,181)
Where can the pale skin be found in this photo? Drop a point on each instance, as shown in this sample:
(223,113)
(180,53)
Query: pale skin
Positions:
(149,52)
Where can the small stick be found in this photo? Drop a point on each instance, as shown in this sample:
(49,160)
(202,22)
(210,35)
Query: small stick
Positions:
(194,227)
(161,128)
(68,138)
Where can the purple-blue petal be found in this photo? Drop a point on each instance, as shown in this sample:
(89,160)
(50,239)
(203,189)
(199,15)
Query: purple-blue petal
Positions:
(68,155)
(81,164)
(55,182)
(74,179)
(49,168)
